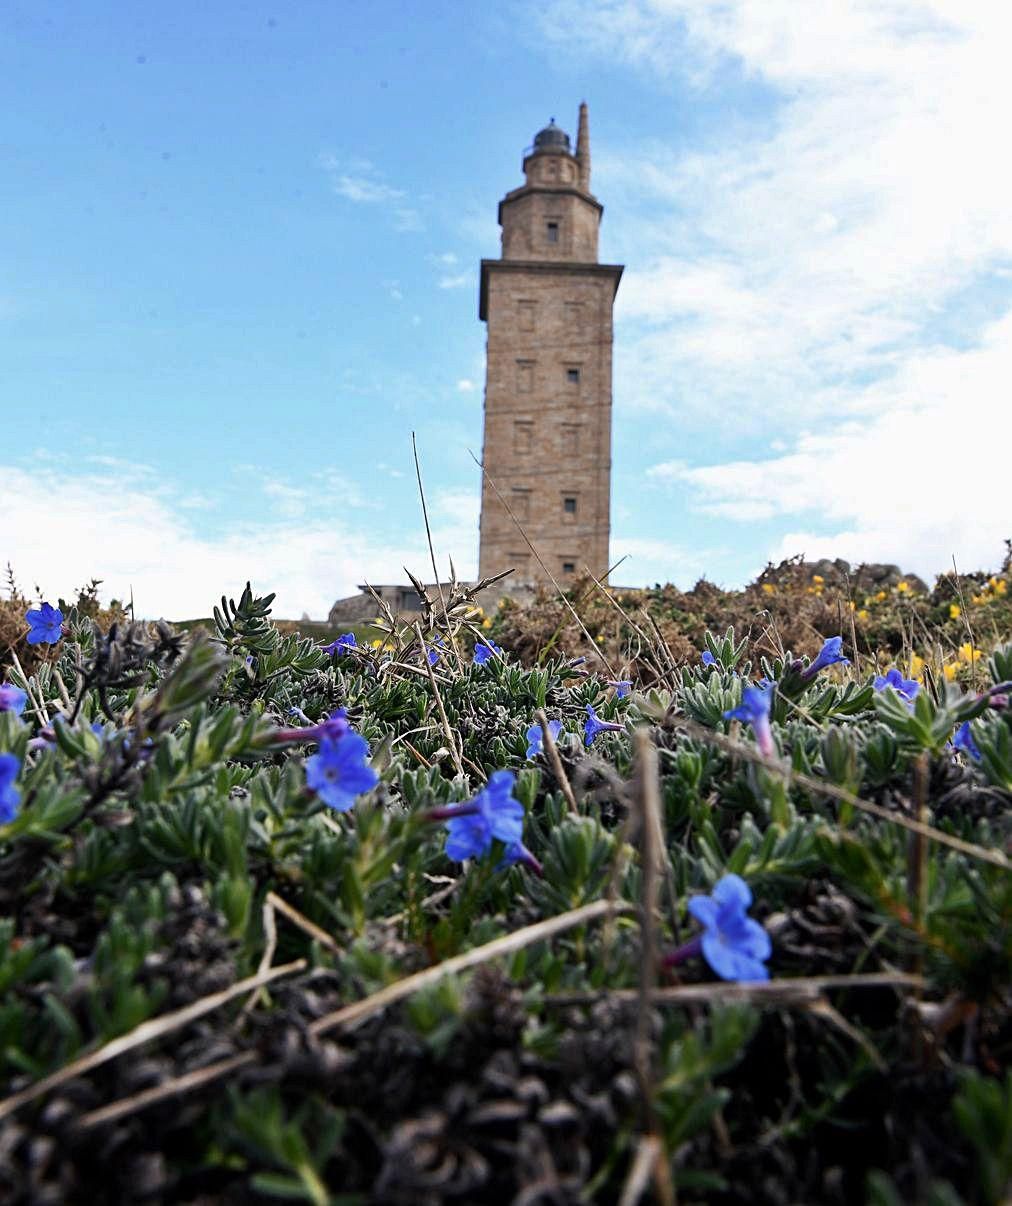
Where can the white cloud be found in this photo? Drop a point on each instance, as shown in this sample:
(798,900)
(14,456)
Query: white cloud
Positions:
(60,530)
(650,560)
(466,386)
(455,280)
(790,258)
(358,181)
(914,483)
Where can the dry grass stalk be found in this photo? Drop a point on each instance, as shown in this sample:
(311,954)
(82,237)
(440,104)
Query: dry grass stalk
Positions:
(360,1010)
(740,749)
(349,1015)
(169,1088)
(304,924)
(797,990)
(39,708)
(555,762)
(266,959)
(447,731)
(651,829)
(432,555)
(648,1153)
(145,1033)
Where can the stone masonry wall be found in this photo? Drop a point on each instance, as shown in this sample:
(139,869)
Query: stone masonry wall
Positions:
(547,436)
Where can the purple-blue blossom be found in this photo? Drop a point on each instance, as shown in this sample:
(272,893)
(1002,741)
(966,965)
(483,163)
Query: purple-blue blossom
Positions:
(493,814)
(536,737)
(829,655)
(964,742)
(906,688)
(10,797)
(517,852)
(434,650)
(341,645)
(339,773)
(621,685)
(594,725)
(707,658)
(485,650)
(12,699)
(45,625)
(754,709)
(735,946)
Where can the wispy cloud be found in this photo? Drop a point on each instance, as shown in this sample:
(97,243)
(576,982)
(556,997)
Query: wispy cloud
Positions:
(61,529)
(810,271)
(456,280)
(359,181)
(913,483)
(817,247)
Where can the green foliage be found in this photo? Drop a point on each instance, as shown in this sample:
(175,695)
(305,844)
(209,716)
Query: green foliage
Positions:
(140,873)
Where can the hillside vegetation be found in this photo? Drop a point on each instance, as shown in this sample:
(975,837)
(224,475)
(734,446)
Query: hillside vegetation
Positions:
(347,925)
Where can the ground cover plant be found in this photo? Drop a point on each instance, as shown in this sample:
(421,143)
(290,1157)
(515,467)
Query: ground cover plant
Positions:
(455,919)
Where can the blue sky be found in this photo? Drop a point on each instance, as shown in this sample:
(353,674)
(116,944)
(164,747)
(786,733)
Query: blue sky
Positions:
(238,266)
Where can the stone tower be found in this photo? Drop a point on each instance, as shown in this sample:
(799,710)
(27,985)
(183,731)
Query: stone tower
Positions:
(548,306)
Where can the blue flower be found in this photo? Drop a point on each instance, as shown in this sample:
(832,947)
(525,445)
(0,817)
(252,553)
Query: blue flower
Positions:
(621,686)
(12,699)
(906,688)
(735,946)
(517,852)
(433,651)
(754,709)
(493,813)
(10,797)
(484,650)
(535,737)
(339,772)
(341,645)
(964,741)
(45,625)
(707,658)
(594,725)
(828,655)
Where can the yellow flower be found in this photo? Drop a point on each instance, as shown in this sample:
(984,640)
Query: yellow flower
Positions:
(976,600)
(950,671)
(863,614)
(851,606)
(955,611)
(993,583)
(903,587)
(769,588)
(818,579)
(916,665)
(376,644)
(600,640)
(486,623)
(1001,586)
(967,653)
(880,596)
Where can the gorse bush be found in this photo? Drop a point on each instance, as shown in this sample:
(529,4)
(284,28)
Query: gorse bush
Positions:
(347,924)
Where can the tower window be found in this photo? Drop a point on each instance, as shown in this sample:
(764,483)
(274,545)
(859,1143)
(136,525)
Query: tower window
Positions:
(570,438)
(525,314)
(573,376)
(569,506)
(569,567)
(553,232)
(523,435)
(521,503)
(525,376)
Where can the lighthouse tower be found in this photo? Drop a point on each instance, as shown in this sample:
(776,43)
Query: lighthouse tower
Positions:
(547,304)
